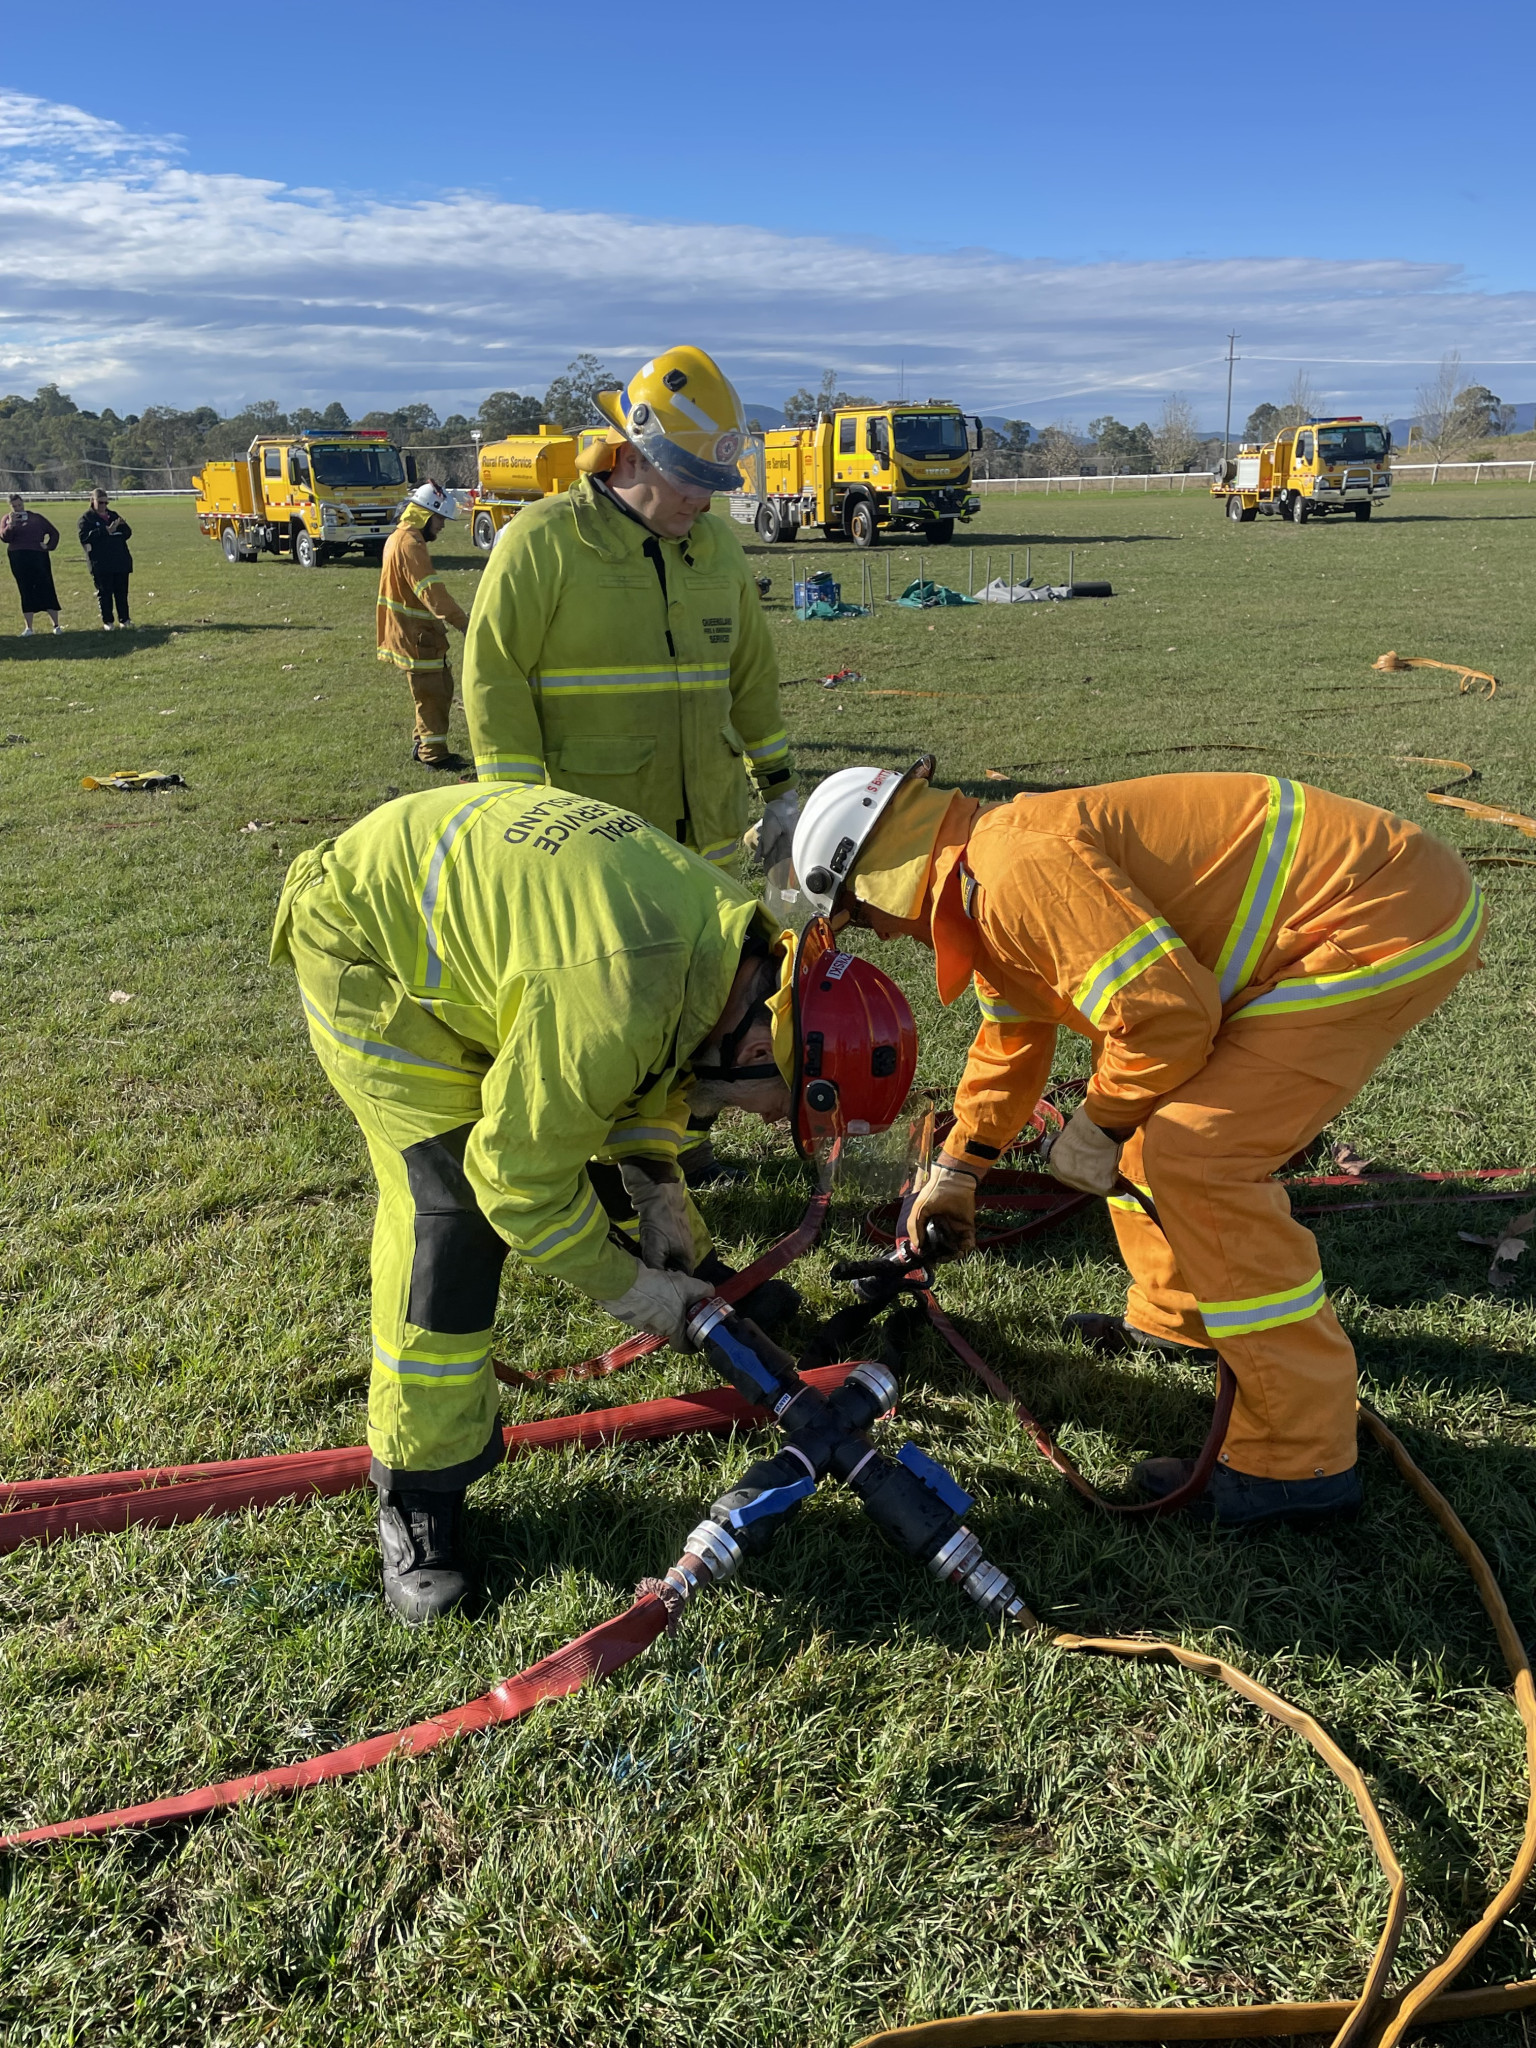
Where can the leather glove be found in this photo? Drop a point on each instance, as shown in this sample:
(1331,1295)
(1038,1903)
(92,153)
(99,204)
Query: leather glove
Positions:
(659,1304)
(660,1196)
(773,836)
(947,1200)
(1085,1156)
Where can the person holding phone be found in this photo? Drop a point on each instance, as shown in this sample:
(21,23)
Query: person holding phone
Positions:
(104,534)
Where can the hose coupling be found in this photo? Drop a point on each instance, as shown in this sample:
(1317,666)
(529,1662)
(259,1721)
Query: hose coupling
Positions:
(709,1315)
(962,1562)
(876,1380)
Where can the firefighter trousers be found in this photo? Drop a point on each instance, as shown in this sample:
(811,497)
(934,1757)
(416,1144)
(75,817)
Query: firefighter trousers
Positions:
(1230,1268)
(432,689)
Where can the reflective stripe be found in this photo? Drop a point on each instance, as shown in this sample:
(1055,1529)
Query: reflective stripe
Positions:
(406,611)
(645,1138)
(376,1049)
(455,1369)
(720,850)
(1263,1311)
(433,978)
(1121,964)
(424,584)
(1273,859)
(1129,1202)
(765,750)
(540,1249)
(514,769)
(994,1009)
(435,662)
(573,682)
(1326,991)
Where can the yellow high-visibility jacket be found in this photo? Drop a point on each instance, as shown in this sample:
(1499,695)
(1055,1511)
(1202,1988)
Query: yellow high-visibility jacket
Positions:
(567,955)
(626,667)
(1150,915)
(415,608)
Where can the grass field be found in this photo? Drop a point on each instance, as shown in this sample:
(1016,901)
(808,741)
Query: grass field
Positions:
(833,1801)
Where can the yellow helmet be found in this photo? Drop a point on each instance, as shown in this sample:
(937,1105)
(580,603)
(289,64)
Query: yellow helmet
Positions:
(682,413)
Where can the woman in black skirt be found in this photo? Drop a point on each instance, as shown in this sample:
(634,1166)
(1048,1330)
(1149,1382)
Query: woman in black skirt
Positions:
(29,540)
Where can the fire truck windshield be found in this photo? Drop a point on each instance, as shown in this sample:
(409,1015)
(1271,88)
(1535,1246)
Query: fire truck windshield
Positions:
(1351,444)
(931,436)
(358,466)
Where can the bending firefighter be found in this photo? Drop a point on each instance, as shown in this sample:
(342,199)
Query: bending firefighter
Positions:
(501,985)
(1242,952)
(415,611)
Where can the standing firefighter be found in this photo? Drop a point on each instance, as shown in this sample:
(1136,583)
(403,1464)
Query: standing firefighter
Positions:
(1242,952)
(617,642)
(500,984)
(414,613)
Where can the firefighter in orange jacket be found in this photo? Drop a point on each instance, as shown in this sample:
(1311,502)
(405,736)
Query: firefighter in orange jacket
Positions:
(414,613)
(1242,952)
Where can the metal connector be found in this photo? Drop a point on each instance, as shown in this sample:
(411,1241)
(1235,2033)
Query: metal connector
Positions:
(963,1563)
(709,1315)
(877,1380)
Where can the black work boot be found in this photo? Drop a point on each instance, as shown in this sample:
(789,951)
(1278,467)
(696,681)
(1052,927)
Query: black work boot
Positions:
(422,1579)
(1114,1337)
(1235,1501)
(772,1304)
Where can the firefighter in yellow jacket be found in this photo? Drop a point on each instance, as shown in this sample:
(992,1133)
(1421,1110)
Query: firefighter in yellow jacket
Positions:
(1241,951)
(501,983)
(617,644)
(415,611)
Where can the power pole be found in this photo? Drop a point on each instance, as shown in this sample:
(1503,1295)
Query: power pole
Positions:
(1226,432)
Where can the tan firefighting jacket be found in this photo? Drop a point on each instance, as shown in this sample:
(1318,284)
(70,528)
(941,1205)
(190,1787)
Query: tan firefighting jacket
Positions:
(415,608)
(1149,915)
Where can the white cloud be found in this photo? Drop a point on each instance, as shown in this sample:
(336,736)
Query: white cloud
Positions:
(134,279)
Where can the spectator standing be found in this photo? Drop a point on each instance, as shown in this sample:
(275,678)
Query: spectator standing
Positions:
(104,535)
(29,540)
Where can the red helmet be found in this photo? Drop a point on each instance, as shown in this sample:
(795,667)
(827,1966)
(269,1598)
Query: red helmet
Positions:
(855,1044)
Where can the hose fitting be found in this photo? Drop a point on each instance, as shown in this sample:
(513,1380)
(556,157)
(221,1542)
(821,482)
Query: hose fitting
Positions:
(962,1563)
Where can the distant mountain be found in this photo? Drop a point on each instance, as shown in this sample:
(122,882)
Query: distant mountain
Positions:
(1524,420)
(765,415)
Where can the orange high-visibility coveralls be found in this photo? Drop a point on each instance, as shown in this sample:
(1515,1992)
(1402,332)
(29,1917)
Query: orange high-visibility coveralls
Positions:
(1242,952)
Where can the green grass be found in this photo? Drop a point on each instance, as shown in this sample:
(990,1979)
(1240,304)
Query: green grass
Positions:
(833,1802)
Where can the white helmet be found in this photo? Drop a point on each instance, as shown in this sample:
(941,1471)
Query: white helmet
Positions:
(839,815)
(444,503)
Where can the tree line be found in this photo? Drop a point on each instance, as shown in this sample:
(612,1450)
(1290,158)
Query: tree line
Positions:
(48,443)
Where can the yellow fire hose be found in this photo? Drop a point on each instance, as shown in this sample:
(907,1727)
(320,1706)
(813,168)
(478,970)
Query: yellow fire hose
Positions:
(1375,2016)
(1468,676)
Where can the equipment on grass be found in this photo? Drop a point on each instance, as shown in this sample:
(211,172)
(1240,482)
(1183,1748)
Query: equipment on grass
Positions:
(839,815)
(911,1498)
(681,412)
(925,596)
(129,780)
(1331,465)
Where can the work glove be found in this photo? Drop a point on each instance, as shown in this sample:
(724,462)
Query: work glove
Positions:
(660,1196)
(947,1200)
(660,1303)
(773,836)
(1085,1156)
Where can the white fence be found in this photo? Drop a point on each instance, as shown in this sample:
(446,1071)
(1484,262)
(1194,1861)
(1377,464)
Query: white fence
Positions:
(1168,480)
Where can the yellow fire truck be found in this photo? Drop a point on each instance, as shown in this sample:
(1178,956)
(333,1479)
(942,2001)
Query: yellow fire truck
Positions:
(861,472)
(311,496)
(1337,465)
(518,471)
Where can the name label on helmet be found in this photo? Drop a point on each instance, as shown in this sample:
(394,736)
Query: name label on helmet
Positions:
(837,967)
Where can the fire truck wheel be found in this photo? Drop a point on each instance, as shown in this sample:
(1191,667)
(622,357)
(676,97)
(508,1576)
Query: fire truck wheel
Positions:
(862,528)
(771,528)
(229,541)
(1234,507)
(1299,509)
(1363,512)
(483,532)
(939,532)
(305,550)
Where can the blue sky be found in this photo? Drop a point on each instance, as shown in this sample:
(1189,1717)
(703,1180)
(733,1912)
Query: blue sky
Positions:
(1050,213)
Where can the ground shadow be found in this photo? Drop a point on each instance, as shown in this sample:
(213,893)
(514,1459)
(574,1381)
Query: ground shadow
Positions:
(94,643)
